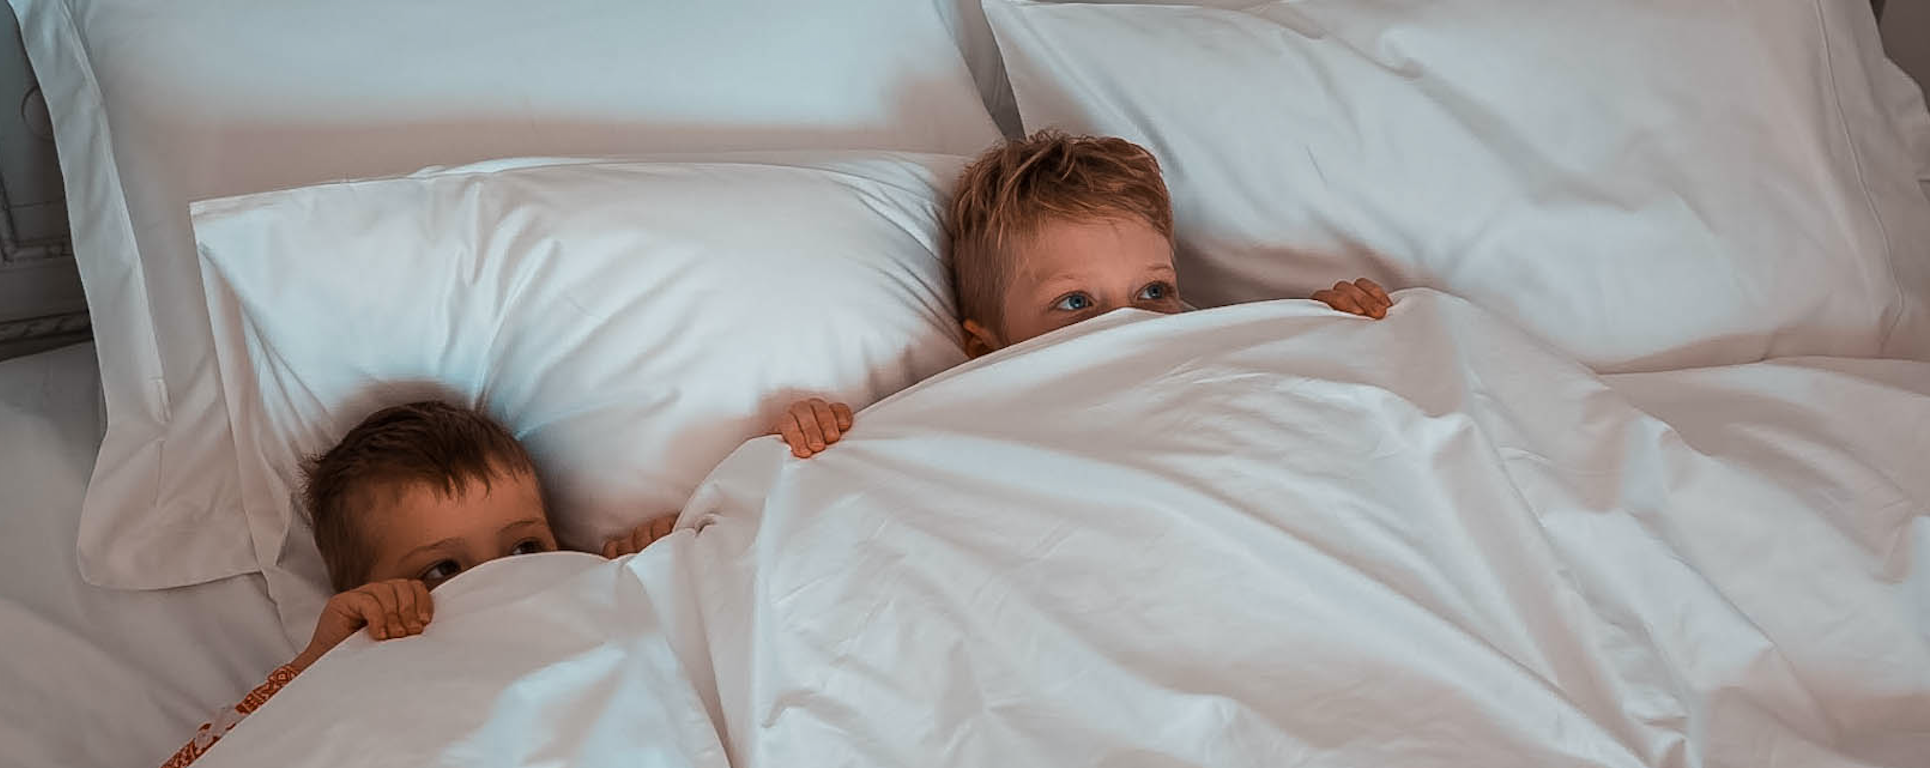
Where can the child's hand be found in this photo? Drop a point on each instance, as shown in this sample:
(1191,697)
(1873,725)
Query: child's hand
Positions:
(811,425)
(390,609)
(1360,297)
(634,541)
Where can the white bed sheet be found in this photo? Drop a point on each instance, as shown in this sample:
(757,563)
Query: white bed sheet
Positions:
(1256,535)
(90,676)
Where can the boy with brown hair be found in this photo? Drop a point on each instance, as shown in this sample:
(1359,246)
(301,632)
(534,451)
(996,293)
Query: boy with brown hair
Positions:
(409,498)
(1049,230)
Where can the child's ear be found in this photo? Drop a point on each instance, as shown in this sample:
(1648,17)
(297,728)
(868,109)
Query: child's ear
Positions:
(979,341)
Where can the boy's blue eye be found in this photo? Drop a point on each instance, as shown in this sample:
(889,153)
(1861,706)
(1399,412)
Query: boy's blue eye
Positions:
(1155,292)
(1074,303)
(442,570)
(526,547)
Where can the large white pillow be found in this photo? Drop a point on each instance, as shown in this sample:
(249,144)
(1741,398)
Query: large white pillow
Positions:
(1647,184)
(632,323)
(156,105)
(982,54)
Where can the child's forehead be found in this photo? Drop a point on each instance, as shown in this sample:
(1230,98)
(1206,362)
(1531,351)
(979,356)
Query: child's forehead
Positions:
(393,488)
(401,513)
(1065,244)
(403,492)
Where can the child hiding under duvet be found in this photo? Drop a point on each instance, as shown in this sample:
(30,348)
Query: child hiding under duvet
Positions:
(409,498)
(1049,230)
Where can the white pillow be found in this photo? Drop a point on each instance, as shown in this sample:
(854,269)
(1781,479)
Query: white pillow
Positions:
(156,105)
(632,323)
(1649,185)
(982,54)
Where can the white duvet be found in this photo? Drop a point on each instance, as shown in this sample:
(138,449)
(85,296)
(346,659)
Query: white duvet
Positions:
(1258,535)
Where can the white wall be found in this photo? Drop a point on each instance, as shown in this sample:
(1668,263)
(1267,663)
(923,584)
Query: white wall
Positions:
(1906,36)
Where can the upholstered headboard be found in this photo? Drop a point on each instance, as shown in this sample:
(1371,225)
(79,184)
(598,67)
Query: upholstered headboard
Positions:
(41,304)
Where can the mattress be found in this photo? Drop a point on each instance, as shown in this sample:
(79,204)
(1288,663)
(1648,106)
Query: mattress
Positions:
(90,676)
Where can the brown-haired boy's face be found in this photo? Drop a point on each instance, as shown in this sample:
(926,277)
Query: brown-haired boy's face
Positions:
(418,533)
(1073,270)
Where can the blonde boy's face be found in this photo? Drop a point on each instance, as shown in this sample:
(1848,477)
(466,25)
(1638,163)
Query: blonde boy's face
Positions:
(1073,270)
(418,533)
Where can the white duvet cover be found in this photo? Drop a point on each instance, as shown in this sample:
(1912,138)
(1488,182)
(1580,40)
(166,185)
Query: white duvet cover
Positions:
(1258,535)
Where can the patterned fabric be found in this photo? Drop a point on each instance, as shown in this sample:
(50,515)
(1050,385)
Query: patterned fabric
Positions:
(225,720)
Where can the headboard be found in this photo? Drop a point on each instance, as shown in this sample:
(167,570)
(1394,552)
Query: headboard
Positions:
(41,304)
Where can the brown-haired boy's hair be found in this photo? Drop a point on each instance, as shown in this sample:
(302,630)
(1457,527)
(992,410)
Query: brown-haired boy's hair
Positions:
(442,446)
(1007,193)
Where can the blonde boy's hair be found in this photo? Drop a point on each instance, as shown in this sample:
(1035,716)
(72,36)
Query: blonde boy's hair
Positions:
(1008,193)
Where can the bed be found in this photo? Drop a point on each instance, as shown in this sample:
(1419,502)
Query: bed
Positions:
(1631,475)
(774,599)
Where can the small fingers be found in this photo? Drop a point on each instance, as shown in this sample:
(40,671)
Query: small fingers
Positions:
(405,611)
(620,546)
(1377,295)
(827,420)
(1373,289)
(662,527)
(807,418)
(391,598)
(1368,305)
(425,606)
(642,536)
(843,412)
(1353,292)
(367,610)
(1340,300)
(1361,299)
(793,435)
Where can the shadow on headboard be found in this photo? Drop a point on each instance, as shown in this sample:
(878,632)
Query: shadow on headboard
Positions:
(41,303)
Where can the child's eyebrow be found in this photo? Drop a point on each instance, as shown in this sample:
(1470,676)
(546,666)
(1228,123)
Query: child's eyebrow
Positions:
(527,522)
(427,547)
(1063,277)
